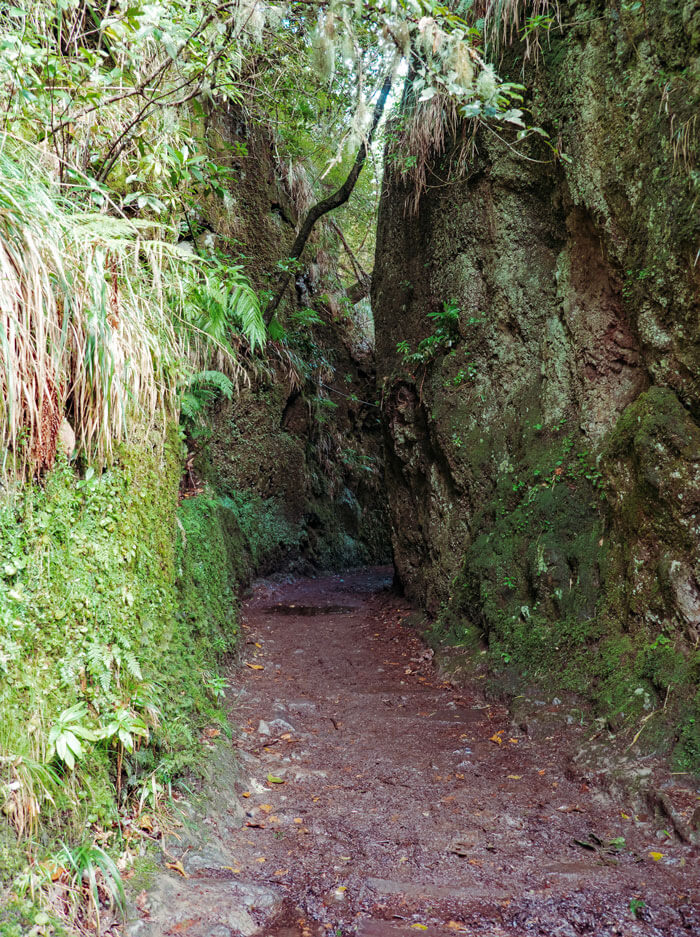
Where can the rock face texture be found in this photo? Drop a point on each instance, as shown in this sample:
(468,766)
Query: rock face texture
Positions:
(298,451)
(542,410)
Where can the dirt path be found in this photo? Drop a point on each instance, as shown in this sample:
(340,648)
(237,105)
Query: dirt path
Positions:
(408,804)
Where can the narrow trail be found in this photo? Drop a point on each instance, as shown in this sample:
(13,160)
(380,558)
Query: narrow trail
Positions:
(380,799)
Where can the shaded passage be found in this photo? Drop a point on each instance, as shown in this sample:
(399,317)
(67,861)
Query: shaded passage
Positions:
(378,797)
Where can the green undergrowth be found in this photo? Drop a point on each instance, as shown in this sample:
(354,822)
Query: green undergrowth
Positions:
(542,588)
(116,608)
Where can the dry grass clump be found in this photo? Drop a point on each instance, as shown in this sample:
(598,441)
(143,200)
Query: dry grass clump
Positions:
(506,20)
(83,330)
(424,135)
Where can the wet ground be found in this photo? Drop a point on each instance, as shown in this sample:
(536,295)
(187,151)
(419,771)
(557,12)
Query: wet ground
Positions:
(374,797)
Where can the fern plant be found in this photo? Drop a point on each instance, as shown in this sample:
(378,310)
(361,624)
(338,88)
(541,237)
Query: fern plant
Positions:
(202,389)
(224,310)
(107,661)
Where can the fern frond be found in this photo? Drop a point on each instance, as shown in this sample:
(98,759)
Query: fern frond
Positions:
(132,665)
(191,406)
(216,379)
(245,305)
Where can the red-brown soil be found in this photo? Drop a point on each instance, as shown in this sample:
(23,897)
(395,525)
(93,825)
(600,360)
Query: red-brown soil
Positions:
(407,803)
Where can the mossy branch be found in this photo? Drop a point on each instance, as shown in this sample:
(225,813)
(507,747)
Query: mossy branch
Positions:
(338,198)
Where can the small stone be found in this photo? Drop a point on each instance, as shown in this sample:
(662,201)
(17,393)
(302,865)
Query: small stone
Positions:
(263,728)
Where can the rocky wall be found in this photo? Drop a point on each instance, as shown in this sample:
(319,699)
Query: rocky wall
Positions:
(299,449)
(543,454)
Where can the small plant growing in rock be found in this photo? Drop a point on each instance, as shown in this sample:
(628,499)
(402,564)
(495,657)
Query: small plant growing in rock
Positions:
(445,335)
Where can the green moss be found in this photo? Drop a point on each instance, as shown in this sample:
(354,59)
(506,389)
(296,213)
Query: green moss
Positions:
(144,872)
(212,561)
(111,594)
(19,918)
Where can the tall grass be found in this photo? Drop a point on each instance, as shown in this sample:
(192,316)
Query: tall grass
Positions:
(101,321)
(83,331)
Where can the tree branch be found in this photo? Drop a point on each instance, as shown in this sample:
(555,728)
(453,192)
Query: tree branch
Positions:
(338,198)
(359,289)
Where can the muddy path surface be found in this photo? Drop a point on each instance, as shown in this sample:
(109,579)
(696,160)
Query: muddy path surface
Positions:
(377,798)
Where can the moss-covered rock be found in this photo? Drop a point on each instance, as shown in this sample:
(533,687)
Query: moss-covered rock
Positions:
(542,464)
(119,600)
(303,441)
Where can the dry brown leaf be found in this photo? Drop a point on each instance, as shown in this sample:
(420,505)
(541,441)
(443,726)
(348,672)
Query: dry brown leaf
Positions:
(177,867)
(254,666)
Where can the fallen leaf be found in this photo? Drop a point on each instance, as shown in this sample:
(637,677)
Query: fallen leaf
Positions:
(266,808)
(254,666)
(624,816)
(419,926)
(255,824)
(257,644)
(298,820)
(211,733)
(496,737)
(245,794)
(513,741)
(656,856)
(142,901)
(541,772)
(183,925)
(230,868)
(515,777)
(177,867)
(261,859)
(455,925)
(281,871)
(271,779)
